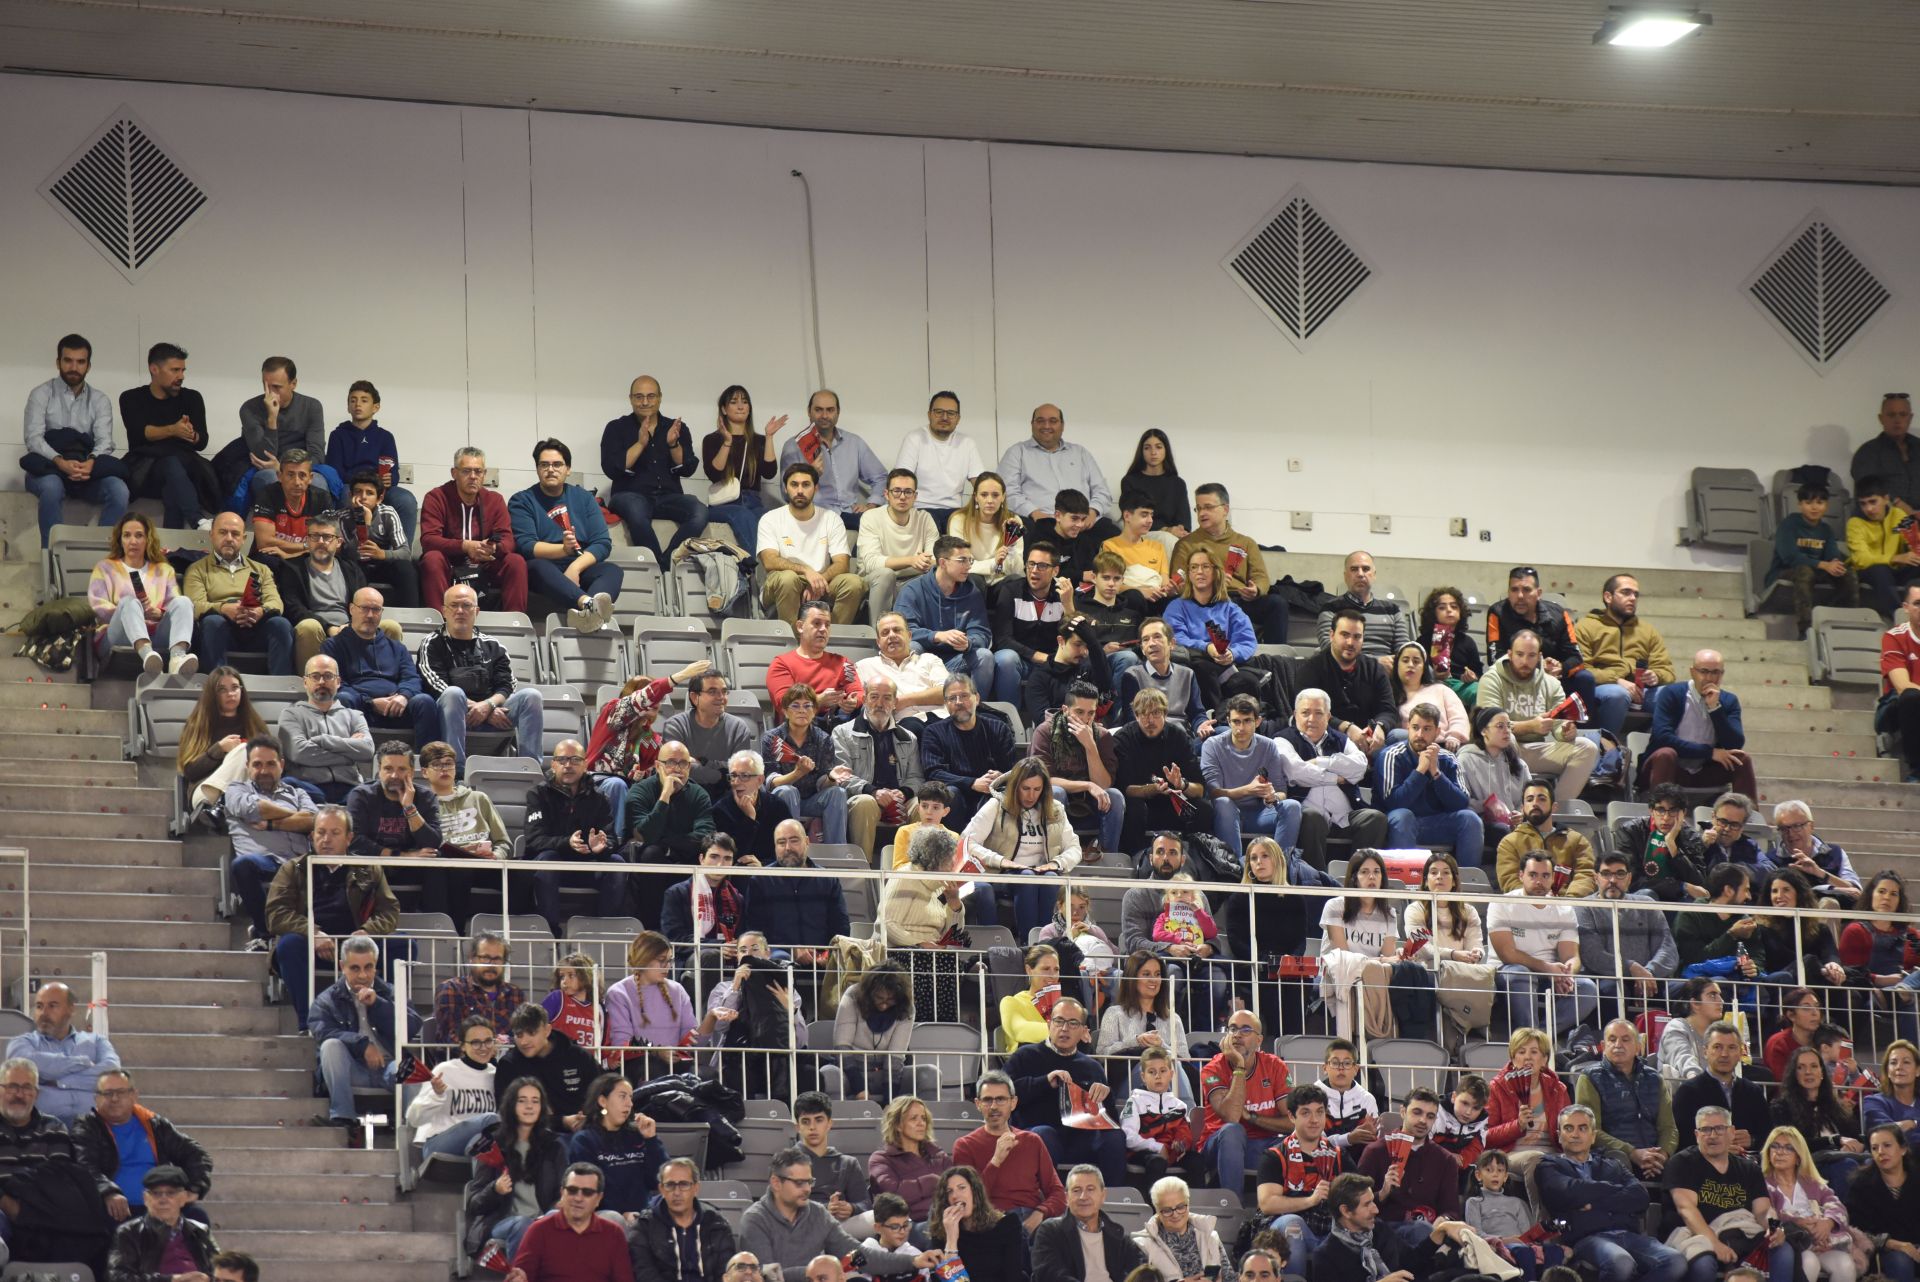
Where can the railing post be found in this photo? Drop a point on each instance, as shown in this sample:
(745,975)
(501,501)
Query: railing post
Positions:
(97,1004)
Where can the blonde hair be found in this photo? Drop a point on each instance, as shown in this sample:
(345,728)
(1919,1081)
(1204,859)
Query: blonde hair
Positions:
(896,1117)
(1183,881)
(1805,1169)
(648,947)
(1279,855)
(1521,1036)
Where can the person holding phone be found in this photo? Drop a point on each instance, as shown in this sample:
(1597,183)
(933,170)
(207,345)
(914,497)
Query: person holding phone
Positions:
(137,599)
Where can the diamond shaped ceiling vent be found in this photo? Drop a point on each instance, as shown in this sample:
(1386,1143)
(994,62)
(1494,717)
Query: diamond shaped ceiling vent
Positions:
(1819,294)
(125,194)
(1298,269)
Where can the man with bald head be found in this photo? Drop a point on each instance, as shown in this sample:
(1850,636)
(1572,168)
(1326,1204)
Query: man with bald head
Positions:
(800,914)
(377,675)
(1041,466)
(470,675)
(885,759)
(667,819)
(1697,738)
(236,602)
(568,820)
(70,1061)
(644,455)
(1388,626)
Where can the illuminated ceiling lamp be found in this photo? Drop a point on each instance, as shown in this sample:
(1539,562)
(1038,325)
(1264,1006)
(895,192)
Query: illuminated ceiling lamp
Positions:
(1638,28)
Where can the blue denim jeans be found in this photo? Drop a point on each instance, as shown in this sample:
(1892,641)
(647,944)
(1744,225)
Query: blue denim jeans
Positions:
(342,1073)
(1623,1256)
(1279,819)
(109,491)
(454,1140)
(1460,829)
(637,511)
(1234,1151)
(218,634)
(829,806)
(524,708)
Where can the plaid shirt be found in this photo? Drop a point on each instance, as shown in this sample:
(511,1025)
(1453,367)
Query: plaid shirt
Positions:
(459,998)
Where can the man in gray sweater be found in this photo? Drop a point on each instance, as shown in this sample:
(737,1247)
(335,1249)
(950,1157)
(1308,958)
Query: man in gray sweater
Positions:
(788,1228)
(711,733)
(281,418)
(1644,934)
(328,745)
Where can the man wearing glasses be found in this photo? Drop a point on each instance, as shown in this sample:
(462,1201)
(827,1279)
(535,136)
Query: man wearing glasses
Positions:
(787,1227)
(1027,613)
(1042,1072)
(1712,1180)
(1670,859)
(1242,564)
(466,534)
(574,1242)
(944,458)
(470,676)
(1697,738)
(568,820)
(644,455)
(1647,956)
(1826,867)
(1243,1092)
(896,540)
(944,615)
(677,1239)
(559,529)
(377,676)
(120,1140)
(316,588)
(709,732)
(1014,1164)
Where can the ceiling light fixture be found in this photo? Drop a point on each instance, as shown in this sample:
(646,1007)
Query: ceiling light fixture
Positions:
(1649,28)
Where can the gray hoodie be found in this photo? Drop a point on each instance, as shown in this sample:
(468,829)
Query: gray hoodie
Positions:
(766,1232)
(321,747)
(835,1172)
(1498,1216)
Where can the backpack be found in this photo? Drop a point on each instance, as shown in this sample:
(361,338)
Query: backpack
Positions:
(57,631)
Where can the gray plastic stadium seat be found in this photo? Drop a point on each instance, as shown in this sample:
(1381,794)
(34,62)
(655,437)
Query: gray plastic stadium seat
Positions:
(642,588)
(587,660)
(1406,1062)
(564,716)
(748,647)
(1844,645)
(1725,508)
(856,641)
(667,643)
(516,632)
(1760,596)
(1783,503)
(417,623)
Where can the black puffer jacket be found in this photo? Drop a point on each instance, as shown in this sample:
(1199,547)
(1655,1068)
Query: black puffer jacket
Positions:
(650,1244)
(171,1148)
(487,1206)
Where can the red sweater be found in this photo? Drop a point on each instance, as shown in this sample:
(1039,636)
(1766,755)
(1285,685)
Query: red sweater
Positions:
(552,1252)
(1507,1099)
(1027,1173)
(829,672)
(442,526)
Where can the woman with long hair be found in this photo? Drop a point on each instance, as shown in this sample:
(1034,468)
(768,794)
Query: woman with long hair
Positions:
(1361,946)
(1815,1217)
(1154,474)
(213,742)
(990,527)
(1897,1102)
(1494,773)
(1808,1103)
(1450,645)
(1264,928)
(518,1167)
(137,600)
(908,1163)
(1414,683)
(1205,619)
(622,1143)
(1697,1004)
(1022,828)
(739,460)
(1880,1202)
(963,1222)
(874,1024)
(1786,943)
(574,1003)
(1456,946)
(1879,949)
(649,1010)
(1142,1015)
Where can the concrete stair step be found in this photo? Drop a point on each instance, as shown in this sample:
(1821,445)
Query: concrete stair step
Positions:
(353,1250)
(48,746)
(388,1217)
(125,906)
(218,1138)
(93,933)
(1742,677)
(23,824)
(44,694)
(1804,720)
(303,1269)
(1828,769)
(59,711)
(265,1021)
(102,800)
(1743,650)
(15,667)
(265,1159)
(127,991)
(161,963)
(364,1189)
(1784,743)
(1657,610)
(1870,841)
(241,1050)
(290,1114)
(155,852)
(49,877)
(1862,807)
(69,774)
(186,1084)
(1802,696)
(1689,634)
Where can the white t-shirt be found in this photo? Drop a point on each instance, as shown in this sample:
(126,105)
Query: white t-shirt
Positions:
(815,541)
(1032,850)
(1538,924)
(941,469)
(1367,933)
(920,673)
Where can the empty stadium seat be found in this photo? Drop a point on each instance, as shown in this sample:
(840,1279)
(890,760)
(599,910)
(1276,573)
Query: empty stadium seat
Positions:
(642,588)
(1844,645)
(665,644)
(417,623)
(953,1051)
(564,716)
(1012,714)
(587,660)
(516,633)
(1406,1062)
(1725,508)
(748,647)
(1760,596)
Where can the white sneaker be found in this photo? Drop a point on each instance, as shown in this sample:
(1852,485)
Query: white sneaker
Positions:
(604,604)
(151,662)
(583,621)
(204,523)
(185,663)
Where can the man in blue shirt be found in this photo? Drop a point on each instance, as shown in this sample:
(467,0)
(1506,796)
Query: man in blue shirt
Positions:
(1419,788)
(559,529)
(69,440)
(70,1061)
(1037,469)
(121,1140)
(851,474)
(377,676)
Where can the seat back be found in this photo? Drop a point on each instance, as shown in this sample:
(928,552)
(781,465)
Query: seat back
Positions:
(1406,1062)
(664,644)
(1726,508)
(642,588)
(953,1052)
(748,647)
(161,709)
(516,633)
(72,552)
(564,716)
(855,641)
(587,660)
(1844,645)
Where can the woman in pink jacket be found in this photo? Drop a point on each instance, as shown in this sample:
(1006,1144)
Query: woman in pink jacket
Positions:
(137,600)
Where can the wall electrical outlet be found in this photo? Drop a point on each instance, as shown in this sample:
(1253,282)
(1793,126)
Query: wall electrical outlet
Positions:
(1303,520)
(493,478)
(406,474)
(1293,465)
(1457,527)
(1380,524)
(1486,536)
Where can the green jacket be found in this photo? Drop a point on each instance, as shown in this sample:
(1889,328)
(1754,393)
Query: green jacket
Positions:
(368,896)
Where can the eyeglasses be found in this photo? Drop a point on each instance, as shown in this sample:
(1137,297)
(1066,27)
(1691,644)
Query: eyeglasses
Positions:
(898,1226)
(575,1190)
(804,1184)
(550,465)
(1068,1023)
(943,413)
(568,759)
(1178,1208)
(1711,1130)
(902,491)
(741,776)
(491,959)
(1667,810)
(20,1088)
(1731,825)
(1241,1028)
(478,1041)
(1039,565)
(676,1186)
(1799,827)
(119,1093)
(1342,1063)
(1522,572)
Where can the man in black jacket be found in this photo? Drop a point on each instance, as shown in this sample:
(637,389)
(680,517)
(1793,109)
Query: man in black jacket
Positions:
(1075,657)
(116,1104)
(1363,1249)
(1040,1073)
(644,454)
(140,1245)
(676,1239)
(1060,1245)
(1363,705)
(317,589)
(1722,1086)
(1026,616)
(550,1057)
(967,750)
(471,675)
(569,821)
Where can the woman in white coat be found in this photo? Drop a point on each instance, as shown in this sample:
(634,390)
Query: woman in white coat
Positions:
(1181,1245)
